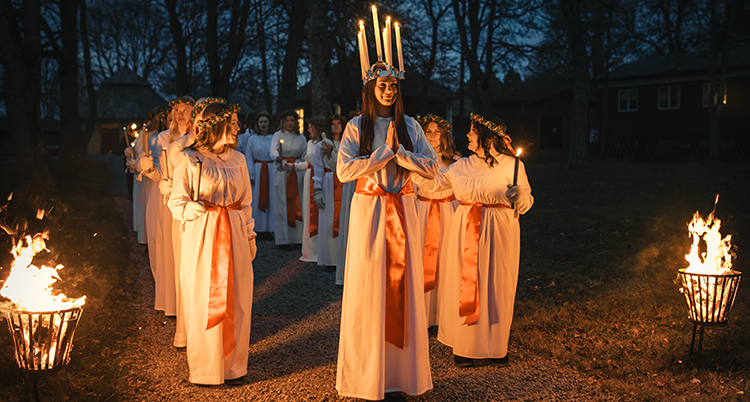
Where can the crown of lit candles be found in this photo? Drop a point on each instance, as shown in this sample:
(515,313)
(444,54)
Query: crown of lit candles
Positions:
(385,53)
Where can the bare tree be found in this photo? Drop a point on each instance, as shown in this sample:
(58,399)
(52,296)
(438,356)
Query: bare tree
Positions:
(297,14)
(181,68)
(220,69)
(319,52)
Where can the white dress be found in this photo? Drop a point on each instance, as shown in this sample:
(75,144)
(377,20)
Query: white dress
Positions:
(446,208)
(167,290)
(368,366)
(223,182)
(309,243)
(473,181)
(294,147)
(139,202)
(347,193)
(152,221)
(258,154)
(325,179)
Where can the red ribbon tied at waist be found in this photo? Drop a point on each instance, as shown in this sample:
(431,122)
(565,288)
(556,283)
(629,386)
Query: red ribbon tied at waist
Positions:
(395,256)
(263,200)
(221,290)
(468,303)
(432,240)
(293,209)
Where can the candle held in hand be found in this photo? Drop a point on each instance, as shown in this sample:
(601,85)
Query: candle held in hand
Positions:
(515,174)
(166,163)
(198,173)
(281,148)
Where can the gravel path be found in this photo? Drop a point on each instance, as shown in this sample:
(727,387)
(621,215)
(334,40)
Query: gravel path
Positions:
(294,343)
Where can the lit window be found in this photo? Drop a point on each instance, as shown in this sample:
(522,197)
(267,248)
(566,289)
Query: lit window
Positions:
(627,100)
(669,97)
(706,95)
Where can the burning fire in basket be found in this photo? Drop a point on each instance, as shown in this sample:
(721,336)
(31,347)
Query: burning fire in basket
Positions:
(42,323)
(709,283)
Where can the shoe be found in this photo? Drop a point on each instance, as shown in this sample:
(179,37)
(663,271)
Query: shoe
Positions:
(501,362)
(462,361)
(234,382)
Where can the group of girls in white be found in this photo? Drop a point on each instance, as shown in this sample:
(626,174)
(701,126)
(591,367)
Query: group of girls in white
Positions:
(437,239)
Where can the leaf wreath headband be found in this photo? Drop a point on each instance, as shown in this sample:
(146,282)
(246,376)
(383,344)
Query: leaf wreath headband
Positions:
(200,107)
(494,128)
(206,124)
(181,100)
(430,118)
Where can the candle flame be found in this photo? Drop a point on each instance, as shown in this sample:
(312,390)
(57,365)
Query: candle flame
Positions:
(388,18)
(281,141)
(518,153)
(395,24)
(133,126)
(361,23)
(374,8)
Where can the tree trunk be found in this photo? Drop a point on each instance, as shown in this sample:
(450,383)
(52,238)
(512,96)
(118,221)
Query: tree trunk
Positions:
(175,27)
(578,148)
(21,51)
(319,49)
(296,34)
(212,46)
(237,28)
(90,91)
(73,147)
(261,26)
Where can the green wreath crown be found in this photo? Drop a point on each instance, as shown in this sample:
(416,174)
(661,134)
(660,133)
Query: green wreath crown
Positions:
(183,99)
(492,126)
(200,107)
(441,122)
(218,118)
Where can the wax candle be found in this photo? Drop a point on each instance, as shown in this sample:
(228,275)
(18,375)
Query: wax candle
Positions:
(281,148)
(124,136)
(144,141)
(199,172)
(166,163)
(515,174)
(362,63)
(398,47)
(377,32)
(388,42)
(364,43)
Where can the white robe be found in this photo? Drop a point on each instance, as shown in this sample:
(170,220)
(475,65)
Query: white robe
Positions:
(327,244)
(152,220)
(139,202)
(257,150)
(294,147)
(431,298)
(472,180)
(368,366)
(347,193)
(223,182)
(309,244)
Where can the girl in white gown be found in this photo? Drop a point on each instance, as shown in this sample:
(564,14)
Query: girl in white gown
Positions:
(310,210)
(383,345)
(213,203)
(262,171)
(436,210)
(290,166)
(328,195)
(482,262)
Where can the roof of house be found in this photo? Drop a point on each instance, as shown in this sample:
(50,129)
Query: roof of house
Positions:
(533,90)
(680,64)
(125,95)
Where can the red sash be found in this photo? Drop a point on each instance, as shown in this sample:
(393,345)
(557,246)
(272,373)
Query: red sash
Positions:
(395,256)
(432,240)
(468,303)
(293,209)
(314,206)
(221,291)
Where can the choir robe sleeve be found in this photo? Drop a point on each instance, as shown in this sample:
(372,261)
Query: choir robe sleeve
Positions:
(318,167)
(247,200)
(422,161)
(441,182)
(274,151)
(184,172)
(350,166)
(250,159)
(331,162)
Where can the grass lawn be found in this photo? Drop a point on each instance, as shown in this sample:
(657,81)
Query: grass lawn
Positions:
(598,286)
(598,283)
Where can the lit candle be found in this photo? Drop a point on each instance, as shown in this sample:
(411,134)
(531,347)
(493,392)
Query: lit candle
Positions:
(198,179)
(398,47)
(515,174)
(166,163)
(387,42)
(124,136)
(362,64)
(144,141)
(377,32)
(364,42)
(281,148)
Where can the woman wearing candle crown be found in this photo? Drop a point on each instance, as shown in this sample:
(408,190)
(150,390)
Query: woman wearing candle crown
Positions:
(218,246)
(482,263)
(383,345)
(262,170)
(290,166)
(436,210)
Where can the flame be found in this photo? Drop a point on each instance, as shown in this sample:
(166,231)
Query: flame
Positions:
(133,126)
(29,286)
(717,259)
(518,153)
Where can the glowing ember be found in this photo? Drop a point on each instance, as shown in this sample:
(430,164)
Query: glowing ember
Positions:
(30,287)
(717,259)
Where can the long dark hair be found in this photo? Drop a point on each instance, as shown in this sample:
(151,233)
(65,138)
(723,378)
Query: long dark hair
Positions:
(488,139)
(329,123)
(284,115)
(369,114)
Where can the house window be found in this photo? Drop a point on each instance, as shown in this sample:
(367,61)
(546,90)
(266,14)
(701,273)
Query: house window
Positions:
(707,92)
(669,97)
(627,100)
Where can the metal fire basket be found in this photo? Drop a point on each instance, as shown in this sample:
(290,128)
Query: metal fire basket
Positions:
(709,298)
(42,340)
